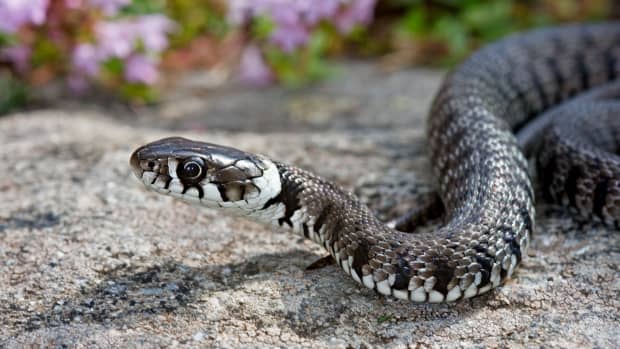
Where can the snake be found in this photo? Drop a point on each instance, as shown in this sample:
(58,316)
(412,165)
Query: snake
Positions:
(550,91)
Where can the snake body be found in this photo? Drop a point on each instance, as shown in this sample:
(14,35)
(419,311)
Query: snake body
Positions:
(483,175)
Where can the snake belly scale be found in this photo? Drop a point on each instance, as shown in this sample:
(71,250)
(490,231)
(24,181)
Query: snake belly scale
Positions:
(483,175)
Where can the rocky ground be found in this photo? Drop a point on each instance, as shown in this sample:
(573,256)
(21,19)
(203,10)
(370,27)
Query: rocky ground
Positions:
(88,258)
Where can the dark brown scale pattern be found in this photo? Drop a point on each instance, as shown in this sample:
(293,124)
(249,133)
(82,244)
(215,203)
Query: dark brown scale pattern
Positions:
(483,175)
(578,162)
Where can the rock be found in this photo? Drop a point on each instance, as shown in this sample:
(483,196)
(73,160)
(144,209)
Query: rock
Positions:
(89,258)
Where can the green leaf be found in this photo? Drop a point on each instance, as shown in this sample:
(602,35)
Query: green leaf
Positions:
(141,7)
(45,51)
(305,64)
(7,40)
(414,21)
(452,31)
(317,45)
(139,93)
(114,66)
(195,18)
(490,20)
(262,27)
(14,93)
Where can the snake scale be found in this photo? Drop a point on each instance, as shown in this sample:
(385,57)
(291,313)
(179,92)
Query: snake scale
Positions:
(558,80)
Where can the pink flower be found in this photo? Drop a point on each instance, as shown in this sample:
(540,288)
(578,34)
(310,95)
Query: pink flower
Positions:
(253,69)
(141,69)
(137,41)
(290,37)
(120,38)
(295,19)
(86,62)
(237,11)
(74,4)
(86,59)
(315,11)
(153,30)
(15,13)
(283,13)
(358,12)
(115,38)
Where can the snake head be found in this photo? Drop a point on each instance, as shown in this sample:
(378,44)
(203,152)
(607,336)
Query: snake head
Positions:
(207,174)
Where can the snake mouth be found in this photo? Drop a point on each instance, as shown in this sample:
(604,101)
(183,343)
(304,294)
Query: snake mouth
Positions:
(141,164)
(153,173)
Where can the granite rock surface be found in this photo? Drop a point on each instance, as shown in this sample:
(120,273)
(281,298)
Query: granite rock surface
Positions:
(88,258)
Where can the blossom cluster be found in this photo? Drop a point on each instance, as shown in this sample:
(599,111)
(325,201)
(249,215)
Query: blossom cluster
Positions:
(295,19)
(293,23)
(111,42)
(16,13)
(137,41)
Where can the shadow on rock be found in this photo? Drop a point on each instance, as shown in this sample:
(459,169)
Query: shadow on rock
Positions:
(129,293)
(324,298)
(29,219)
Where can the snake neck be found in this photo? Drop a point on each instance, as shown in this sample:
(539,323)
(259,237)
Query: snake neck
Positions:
(317,209)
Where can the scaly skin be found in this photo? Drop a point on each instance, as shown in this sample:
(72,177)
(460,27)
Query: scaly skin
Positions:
(483,175)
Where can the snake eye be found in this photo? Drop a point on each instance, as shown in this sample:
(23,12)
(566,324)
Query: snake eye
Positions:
(192,169)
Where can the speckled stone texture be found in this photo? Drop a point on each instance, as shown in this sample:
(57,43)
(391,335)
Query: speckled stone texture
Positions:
(88,258)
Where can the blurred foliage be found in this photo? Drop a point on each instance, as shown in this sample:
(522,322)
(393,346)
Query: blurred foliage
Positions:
(402,33)
(139,7)
(195,18)
(289,44)
(413,32)
(443,32)
(303,65)
(13,95)
(94,44)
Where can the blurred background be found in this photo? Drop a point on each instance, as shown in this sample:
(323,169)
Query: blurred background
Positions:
(134,52)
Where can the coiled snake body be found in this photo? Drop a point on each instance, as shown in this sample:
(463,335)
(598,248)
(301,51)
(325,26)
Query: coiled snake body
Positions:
(483,174)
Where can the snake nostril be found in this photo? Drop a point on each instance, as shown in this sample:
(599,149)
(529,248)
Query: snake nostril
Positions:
(151,164)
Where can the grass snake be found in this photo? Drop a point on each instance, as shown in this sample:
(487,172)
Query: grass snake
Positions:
(548,92)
